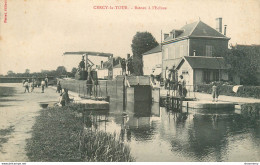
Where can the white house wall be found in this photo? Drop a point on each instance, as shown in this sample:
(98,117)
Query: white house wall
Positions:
(187,72)
(173,53)
(117,71)
(102,73)
(150,61)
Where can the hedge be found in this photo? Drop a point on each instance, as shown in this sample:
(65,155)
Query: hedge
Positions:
(243,91)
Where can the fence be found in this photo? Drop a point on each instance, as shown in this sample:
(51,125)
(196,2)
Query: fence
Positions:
(112,88)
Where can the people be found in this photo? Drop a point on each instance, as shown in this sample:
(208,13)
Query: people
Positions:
(215,92)
(26,86)
(167,77)
(172,79)
(123,65)
(59,89)
(65,100)
(182,88)
(43,85)
(130,67)
(46,81)
(32,85)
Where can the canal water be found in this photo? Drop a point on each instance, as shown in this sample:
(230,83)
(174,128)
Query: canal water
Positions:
(157,134)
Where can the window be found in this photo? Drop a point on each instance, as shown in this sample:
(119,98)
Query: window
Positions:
(216,76)
(209,50)
(206,76)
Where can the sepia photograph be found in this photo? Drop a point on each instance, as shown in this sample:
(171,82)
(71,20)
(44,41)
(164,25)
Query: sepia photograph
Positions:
(130,81)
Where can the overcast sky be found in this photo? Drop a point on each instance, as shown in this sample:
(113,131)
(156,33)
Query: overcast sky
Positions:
(38,32)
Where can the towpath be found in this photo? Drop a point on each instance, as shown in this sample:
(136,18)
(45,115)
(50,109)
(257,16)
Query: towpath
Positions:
(17,116)
(208,97)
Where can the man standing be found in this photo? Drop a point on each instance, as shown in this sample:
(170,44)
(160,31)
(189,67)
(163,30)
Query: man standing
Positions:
(167,77)
(123,65)
(26,86)
(43,85)
(46,81)
(32,85)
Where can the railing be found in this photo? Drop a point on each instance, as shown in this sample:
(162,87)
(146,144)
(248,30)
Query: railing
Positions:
(187,91)
(90,90)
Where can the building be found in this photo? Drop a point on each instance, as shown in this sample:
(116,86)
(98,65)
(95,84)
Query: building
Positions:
(152,61)
(201,69)
(197,40)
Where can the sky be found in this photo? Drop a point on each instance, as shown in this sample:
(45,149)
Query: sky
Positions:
(38,32)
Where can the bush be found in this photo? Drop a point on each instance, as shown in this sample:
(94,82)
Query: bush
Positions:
(244,91)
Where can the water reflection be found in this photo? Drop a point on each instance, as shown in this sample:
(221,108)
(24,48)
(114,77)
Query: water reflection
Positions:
(158,134)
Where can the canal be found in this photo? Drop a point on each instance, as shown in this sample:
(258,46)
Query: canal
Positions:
(157,134)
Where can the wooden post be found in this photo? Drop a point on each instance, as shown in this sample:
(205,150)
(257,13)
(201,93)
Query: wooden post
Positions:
(79,90)
(187,106)
(181,104)
(106,88)
(124,100)
(84,90)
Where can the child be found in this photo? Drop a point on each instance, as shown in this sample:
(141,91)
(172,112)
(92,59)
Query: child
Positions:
(58,87)
(215,92)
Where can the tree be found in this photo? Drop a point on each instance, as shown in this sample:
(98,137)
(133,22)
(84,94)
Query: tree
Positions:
(10,73)
(27,71)
(244,61)
(73,71)
(61,70)
(141,43)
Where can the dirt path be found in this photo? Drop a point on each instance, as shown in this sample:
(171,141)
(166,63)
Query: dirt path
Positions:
(17,115)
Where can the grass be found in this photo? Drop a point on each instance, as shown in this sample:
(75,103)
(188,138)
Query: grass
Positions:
(6,91)
(4,135)
(103,147)
(58,136)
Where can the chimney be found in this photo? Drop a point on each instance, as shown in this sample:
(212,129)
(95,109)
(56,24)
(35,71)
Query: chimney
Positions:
(219,24)
(128,56)
(225,29)
(101,66)
(165,35)
(194,52)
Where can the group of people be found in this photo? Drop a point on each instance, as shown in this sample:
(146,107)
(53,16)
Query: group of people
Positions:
(27,84)
(173,82)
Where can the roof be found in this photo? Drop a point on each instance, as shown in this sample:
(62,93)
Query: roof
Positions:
(196,30)
(157,49)
(202,62)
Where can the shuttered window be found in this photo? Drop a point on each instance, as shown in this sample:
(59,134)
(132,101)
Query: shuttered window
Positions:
(209,50)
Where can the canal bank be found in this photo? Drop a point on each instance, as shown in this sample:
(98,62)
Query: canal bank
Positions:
(18,111)
(204,98)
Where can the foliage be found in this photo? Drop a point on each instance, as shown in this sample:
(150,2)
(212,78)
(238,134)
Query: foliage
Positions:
(244,61)
(107,145)
(73,72)
(61,70)
(5,135)
(116,61)
(27,71)
(250,110)
(58,136)
(141,43)
(243,91)
(10,73)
